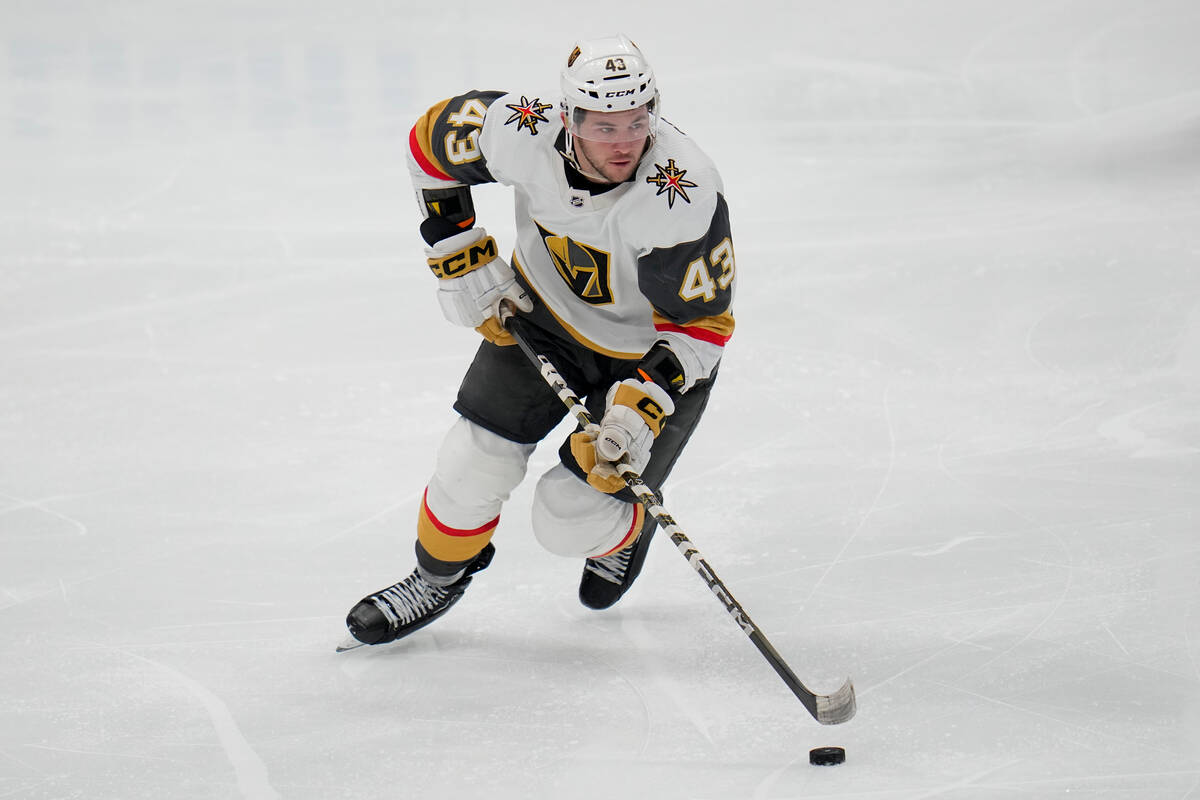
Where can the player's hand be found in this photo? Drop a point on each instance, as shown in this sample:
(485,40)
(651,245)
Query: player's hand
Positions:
(634,416)
(473,281)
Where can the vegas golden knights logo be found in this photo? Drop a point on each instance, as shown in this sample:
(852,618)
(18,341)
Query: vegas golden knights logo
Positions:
(585,269)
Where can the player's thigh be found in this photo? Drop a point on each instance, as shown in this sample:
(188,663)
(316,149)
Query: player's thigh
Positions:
(503,393)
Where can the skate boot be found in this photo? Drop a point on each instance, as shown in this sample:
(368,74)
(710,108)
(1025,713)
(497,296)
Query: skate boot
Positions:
(606,578)
(411,604)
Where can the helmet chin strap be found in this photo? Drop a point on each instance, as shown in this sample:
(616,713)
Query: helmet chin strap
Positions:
(568,154)
(589,174)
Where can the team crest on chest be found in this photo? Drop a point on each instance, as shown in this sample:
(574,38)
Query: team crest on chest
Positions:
(585,269)
(527,114)
(669,179)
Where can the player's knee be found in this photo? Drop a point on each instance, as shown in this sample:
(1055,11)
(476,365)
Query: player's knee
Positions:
(572,519)
(476,470)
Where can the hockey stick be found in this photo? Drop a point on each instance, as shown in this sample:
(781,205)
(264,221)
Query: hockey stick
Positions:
(828,709)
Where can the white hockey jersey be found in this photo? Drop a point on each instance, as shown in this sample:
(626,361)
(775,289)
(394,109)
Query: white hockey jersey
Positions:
(651,259)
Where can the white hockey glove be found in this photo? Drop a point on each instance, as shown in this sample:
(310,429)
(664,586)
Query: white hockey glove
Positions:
(473,280)
(634,415)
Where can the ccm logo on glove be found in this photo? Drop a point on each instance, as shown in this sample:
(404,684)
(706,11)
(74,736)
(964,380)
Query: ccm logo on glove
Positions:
(638,395)
(470,258)
(634,416)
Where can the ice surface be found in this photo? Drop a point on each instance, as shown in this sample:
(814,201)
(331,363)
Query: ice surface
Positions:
(954,453)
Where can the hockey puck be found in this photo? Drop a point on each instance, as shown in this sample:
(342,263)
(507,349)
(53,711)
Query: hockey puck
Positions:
(826,756)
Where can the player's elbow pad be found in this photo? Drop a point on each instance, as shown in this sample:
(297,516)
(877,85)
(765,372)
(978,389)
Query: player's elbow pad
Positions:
(696,359)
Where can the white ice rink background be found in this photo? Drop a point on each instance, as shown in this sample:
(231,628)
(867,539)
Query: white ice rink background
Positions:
(954,452)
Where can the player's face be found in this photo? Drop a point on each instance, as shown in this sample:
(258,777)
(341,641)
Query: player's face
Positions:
(609,145)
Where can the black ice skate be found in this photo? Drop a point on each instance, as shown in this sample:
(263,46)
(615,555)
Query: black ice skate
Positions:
(607,578)
(409,605)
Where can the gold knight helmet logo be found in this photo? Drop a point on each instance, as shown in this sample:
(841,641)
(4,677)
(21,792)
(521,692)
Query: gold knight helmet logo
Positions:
(585,269)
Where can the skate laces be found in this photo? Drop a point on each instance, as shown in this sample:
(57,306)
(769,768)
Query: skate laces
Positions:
(409,600)
(611,568)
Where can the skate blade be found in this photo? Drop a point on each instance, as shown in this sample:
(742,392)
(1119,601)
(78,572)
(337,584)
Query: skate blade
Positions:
(349,643)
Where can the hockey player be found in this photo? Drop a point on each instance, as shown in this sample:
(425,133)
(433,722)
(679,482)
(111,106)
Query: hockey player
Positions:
(622,275)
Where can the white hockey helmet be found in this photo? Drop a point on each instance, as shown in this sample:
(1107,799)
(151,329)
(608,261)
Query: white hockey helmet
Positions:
(606,75)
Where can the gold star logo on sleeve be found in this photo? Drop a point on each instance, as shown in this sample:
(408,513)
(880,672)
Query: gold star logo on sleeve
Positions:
(669,179)
(527,114)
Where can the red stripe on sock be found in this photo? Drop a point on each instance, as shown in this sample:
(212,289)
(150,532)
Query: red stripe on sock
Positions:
(446,529)
(631,534)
